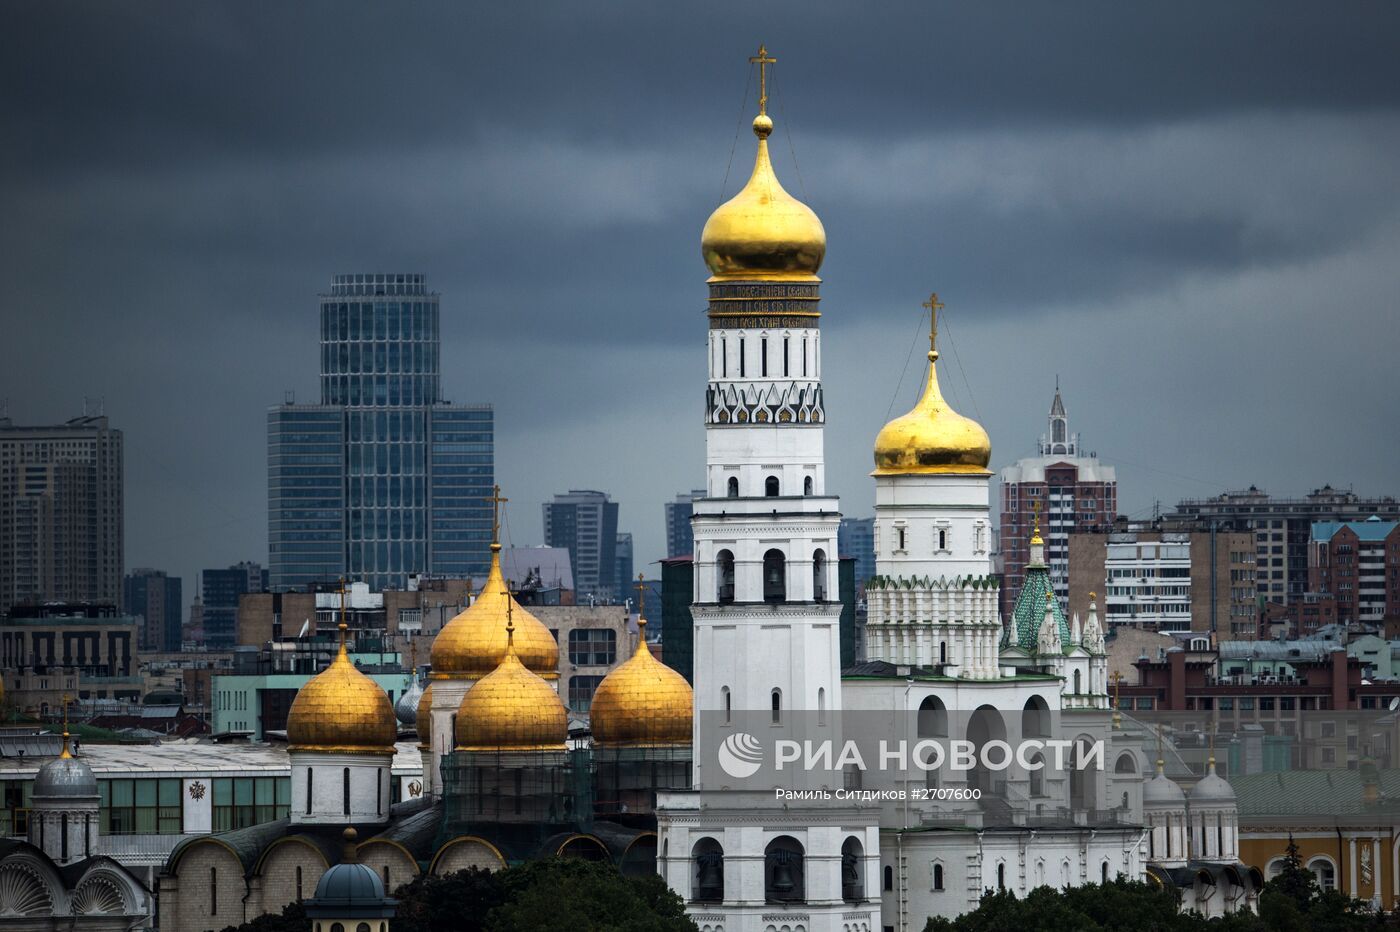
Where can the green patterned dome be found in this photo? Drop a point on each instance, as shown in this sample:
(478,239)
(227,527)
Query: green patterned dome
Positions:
(1029,613)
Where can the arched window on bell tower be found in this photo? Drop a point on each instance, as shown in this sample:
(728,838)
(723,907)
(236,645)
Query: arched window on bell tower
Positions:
(774,576)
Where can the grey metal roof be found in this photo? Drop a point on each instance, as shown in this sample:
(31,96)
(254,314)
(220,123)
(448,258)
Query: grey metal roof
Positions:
(415,830)
(1287,651)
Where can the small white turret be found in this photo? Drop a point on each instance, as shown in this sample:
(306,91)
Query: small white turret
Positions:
(1093,634)
(1050,630)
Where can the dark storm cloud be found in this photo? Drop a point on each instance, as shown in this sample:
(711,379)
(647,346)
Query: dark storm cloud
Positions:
(1170,204)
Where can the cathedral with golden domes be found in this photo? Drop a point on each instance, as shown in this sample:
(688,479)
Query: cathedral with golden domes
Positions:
(504,781)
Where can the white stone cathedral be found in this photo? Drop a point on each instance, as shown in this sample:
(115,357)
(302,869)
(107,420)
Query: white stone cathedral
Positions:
(943,665)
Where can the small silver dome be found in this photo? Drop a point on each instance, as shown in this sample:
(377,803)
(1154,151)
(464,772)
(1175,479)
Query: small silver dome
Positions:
(406,709)
(1212,788)
(1162,791)
(65,776)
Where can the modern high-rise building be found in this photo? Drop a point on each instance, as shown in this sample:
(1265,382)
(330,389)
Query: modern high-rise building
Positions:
(220,590)
(679,539)
(384,478)
(623,559)
(157,599)
(1071,491)
(61,535)
(855,538)
(585,523)
(1282,528)
(1358,564)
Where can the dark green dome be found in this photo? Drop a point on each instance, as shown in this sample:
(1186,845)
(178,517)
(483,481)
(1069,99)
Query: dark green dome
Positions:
(349,885)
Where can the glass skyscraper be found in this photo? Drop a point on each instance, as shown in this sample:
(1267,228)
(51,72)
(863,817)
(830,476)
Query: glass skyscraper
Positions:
(383,478)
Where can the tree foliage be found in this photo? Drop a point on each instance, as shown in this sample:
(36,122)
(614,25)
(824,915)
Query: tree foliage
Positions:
(1291,902)
(564,894)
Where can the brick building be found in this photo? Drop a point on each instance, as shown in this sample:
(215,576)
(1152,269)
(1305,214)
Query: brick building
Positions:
(1357,563)
(1169,581)
(1282,528)
(1072,491)
(1275,685)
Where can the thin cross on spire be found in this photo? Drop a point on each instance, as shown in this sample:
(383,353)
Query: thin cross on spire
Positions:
(934,306)
(763,61)
(641,601)
(344,624)
(66,699)
(496,501)
(510,617)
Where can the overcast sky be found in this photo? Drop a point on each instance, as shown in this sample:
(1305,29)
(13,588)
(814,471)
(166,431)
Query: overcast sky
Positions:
(1188,211)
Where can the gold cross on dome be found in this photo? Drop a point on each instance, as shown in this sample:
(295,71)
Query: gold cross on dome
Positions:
(496,501)
(763,61)
(933,305)
(641,588)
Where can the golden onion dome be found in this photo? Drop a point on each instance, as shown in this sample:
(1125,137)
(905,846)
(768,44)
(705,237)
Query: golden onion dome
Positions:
(424,721)
(932,438)
(342,710)
(474,643)
(763,233)
(643,703)
(511,709)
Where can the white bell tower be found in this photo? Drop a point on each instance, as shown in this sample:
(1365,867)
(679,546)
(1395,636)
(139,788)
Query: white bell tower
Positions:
(933,601)
(766,604)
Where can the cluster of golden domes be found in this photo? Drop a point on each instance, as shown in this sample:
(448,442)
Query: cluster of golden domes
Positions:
(510,708)
(342,710)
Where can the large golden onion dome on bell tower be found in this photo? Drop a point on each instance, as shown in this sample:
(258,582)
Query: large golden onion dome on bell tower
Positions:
(763,233)
(932,438)
(342,710)
(643,703)
(473,644)
(511,709)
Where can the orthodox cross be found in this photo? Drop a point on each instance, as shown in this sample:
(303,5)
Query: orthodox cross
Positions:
(933,305)
(510,617)
(496,502)
(763,61)
(66,699)
(641,588)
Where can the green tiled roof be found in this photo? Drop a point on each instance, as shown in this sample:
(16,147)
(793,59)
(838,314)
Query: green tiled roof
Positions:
(1333,793)
(1029,612)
